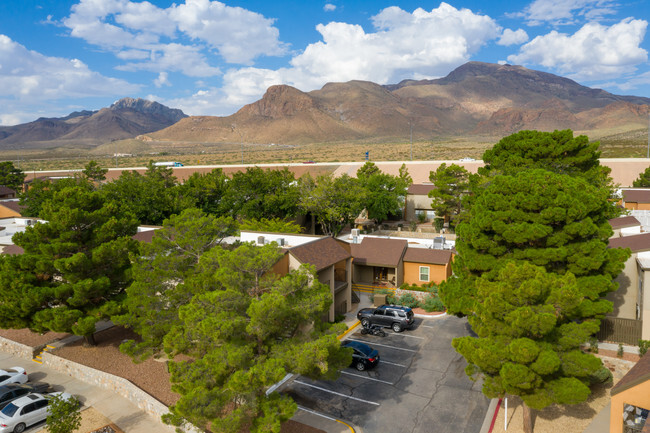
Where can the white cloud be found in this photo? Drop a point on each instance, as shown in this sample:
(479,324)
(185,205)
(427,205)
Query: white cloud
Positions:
(329,7)
(128,28)
(28,77)
(174,57)
(561,12)
(510,37)
(593,52)
(629,83)
(403,45)
(162,80)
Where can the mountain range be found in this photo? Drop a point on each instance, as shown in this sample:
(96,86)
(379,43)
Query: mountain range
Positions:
(125,118)
(476,99)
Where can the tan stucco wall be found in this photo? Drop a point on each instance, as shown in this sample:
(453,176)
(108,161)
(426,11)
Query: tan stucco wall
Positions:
(362,274)
(625,297)
(637,206)
(282,266)
(437,273)
(414,202)
(637,396)
(645,306)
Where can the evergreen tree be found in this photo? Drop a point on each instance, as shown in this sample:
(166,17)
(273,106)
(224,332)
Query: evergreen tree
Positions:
(94,172)
(74,269)
(11,177)
(451,185)
(161,271)
(643,180)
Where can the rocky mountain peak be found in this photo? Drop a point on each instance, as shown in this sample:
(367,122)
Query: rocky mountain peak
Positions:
(148,107)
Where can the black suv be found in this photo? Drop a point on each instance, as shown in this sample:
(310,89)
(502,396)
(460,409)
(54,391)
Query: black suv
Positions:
(388,316)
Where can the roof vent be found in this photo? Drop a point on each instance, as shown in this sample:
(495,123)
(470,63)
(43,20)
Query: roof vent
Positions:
(260,240)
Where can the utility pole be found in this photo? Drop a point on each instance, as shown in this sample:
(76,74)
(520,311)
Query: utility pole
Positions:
(411,126)
(241,136)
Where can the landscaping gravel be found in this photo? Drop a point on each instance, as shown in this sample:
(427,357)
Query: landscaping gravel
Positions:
(32,339)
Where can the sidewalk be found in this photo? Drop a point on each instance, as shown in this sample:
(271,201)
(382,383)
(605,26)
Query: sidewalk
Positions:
(119,410)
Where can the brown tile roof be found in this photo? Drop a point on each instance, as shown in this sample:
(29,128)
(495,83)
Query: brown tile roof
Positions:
(379,251)
(145,236)
(637,375)
(636,195)
(426,255)
(636,243)
(14,206)
(321,253)
(5,190)
(624,221)
(13,250)
(420,189)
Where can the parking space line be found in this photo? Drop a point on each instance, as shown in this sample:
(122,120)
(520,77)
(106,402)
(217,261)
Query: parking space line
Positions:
(406,335)
(383,345)
(336,393)
(316,413)
(366,377)
(427,326)
(392,363)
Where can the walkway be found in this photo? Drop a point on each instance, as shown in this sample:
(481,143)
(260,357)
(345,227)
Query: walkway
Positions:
(119,410)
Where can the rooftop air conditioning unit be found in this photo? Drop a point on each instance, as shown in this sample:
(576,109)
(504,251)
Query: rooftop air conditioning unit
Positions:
(281,242)
(260,240)
(355,232)
(438,242)
(29,222)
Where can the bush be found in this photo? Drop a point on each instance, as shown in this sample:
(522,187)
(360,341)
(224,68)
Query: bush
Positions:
(65,414)
(422,217)
(643,347)
(593,344)
(439,223)
(413,225)
(602,375)
(390,298)
(408,300)
(620,351)
(433,303)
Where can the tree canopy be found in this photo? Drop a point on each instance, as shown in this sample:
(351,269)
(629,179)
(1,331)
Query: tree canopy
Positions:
(11,177)
(557,151)
(161,274)
(451,185)
(643,181)
(384,194)
(334,201)
(74,269)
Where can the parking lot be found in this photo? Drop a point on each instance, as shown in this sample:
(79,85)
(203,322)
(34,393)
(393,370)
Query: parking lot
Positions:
(419,385)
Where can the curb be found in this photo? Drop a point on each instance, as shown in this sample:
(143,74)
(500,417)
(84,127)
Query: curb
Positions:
(491,415)
(426,316)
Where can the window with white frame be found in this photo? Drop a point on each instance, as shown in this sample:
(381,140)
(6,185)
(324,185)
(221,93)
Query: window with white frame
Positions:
(424,273)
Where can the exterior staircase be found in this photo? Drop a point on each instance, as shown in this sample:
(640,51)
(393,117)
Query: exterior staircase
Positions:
(38,358)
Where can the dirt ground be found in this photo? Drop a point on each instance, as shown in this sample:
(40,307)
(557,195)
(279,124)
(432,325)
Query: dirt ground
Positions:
(91,420)
(29,338)
(570,418)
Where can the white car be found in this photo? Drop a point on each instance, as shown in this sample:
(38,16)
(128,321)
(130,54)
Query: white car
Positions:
(26,411)
(13,375)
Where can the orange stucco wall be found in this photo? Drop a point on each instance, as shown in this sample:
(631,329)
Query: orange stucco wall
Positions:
(637,396)
(437,273)
(5,212)
(282,266)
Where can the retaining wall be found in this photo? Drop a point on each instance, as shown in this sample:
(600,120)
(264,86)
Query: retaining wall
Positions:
(16,349)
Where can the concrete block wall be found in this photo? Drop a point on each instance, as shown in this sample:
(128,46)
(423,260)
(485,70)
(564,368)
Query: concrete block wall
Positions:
(16,349)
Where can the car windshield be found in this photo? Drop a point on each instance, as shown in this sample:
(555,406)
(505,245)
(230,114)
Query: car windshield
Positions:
(9,410)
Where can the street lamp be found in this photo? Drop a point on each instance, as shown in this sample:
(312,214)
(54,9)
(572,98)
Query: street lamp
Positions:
(241,136)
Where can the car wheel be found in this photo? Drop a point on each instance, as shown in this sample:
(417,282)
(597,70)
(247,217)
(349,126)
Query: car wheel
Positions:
(365,322)
(397,327)
(20,428)
(361,366)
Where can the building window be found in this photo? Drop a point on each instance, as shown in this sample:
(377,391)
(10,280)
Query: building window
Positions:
(424,273)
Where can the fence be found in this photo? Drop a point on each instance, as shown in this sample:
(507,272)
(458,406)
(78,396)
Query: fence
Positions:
(618,330)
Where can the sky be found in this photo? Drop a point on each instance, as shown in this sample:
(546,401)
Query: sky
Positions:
(211,57)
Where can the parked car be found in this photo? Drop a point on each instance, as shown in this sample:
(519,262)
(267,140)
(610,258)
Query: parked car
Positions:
(363,356)
(13,375)
(26,411)
(12,391)
(388,316)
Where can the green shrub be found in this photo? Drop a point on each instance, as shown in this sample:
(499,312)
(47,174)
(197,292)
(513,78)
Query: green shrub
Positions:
(643,346)
(620,351)
(408,300)
(413,225)
(390,298)
(439,223)
(422,217)
(593,344)
(433,303)
(602,375)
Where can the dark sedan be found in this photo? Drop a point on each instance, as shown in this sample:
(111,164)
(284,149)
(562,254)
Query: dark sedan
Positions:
(363,356)
(12,391)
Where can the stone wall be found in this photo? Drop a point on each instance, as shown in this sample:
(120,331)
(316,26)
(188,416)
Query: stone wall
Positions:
(16,349)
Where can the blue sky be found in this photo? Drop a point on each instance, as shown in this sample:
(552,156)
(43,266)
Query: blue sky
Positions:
(211,58)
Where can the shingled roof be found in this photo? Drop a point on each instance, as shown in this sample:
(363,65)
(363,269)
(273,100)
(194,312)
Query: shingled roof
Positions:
(636,195)
(14,206)
(420,189)
(321,253)
(144,236)
(637,375)
(426,255)
(379,251)
(624,221)
(636,243)
(5,190)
